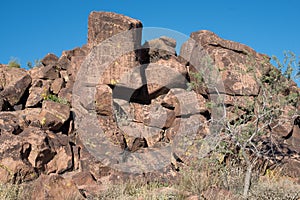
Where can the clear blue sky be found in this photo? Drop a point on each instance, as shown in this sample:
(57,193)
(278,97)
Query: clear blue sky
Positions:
(30,29)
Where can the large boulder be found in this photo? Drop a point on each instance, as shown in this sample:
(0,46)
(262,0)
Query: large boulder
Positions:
(103,25)
(37,92)
(54,187)
(13,84)
(160,48)
(53,115)
(240,66)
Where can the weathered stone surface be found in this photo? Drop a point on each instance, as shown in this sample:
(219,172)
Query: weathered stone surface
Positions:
(230,58)
(86,183)
(184,102)
(124,71)
(63,62)
(294,139)
(53,115)
(195,125)
(36,148)
(291,168)
(56,85)
(62,161)
(103,100)
(66,92)
(74,66)
(54,187)
(49,72)
(76,52)
(14,83)
(23,155)
(103,25)
(15,171)
(37,92)
(186,135)
(9,124)
(142,109)
(49,59)
(283,125)
(153,115)
(69,77)
(161,78)
(135,133)
(27,117)
(158,116)
(160,48)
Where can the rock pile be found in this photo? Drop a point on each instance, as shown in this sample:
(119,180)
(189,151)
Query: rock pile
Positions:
(152,108)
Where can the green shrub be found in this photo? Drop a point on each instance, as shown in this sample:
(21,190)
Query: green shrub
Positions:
(14,62)
(37,63)
(52,97)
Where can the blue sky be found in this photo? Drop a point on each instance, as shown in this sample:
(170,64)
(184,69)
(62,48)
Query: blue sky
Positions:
(31,29)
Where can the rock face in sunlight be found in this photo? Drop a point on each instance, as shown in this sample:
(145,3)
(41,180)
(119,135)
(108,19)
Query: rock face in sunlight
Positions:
(103,25)
(149,98)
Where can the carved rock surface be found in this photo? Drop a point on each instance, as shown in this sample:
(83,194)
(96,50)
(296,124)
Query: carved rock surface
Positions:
(149,107)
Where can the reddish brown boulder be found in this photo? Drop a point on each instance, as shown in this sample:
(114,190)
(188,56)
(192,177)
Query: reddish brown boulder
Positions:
(36,149)
(160,48)
(104,101)
(37,92)
(54,187)
(49,59)
(13,83)
(162,77)
(63,159)
(53,115)
(103,25)
(184,102)
(239,74)
(56,85)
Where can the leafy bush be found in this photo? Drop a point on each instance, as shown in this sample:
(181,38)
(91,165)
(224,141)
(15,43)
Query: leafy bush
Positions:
(52,97)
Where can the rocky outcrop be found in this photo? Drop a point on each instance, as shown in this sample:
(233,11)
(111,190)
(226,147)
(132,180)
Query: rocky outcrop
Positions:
(113,108)
(13,85)
(103,25)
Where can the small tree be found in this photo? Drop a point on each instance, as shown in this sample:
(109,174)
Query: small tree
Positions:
(252,131)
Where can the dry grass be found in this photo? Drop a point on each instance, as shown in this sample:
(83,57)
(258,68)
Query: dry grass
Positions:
(208,178)
(275,186)
(12,192)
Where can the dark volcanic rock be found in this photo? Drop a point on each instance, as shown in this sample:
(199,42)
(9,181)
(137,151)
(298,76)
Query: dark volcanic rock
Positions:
(136,109)
(103,25)
(14,83)
(53,115)
(49,59)
(161,48)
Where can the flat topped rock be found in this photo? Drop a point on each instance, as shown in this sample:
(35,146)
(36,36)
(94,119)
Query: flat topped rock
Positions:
(102,25)
(162,47)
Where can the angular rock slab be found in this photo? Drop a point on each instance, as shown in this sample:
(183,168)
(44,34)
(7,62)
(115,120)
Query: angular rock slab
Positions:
(14,83)
(132,131)
(184,102)
(161,77)
(53,115)
(240,66)
(37,92)
(54,187)
(103,25)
